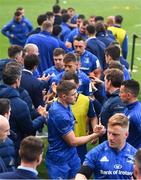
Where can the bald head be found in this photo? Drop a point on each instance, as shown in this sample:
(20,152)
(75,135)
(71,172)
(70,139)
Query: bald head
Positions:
(30,49)
(4,128)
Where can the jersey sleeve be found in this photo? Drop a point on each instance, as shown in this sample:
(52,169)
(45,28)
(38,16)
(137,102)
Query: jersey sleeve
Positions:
(91,110)
(63,125)
(91,158)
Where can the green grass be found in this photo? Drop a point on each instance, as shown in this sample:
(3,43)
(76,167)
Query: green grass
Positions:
(130,9)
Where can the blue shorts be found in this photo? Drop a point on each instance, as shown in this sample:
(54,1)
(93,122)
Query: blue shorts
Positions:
(66,170)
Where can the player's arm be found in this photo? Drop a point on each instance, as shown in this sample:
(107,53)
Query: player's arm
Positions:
(72,140)
(84,173)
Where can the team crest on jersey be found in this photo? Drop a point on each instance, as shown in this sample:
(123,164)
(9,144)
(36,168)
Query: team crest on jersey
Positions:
(80,82)
(104,159)
(87,60)
(23,24)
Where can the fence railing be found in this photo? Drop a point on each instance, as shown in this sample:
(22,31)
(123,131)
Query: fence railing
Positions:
(133,50)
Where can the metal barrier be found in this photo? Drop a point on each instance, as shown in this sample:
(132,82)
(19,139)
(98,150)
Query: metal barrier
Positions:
(133,50)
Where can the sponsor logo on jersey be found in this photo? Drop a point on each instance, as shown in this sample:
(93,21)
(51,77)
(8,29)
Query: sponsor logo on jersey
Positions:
(117,166)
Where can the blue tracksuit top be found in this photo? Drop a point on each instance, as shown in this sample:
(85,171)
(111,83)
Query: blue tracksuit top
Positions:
(46,44)
(8,154)
(124,62)
(110,164)
(97,48)
(134,115)
(19,30)
(112,106)
(65,32)
(102,36)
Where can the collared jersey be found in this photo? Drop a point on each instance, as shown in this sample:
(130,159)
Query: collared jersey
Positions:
(89,62)
(134,115)
(53,71)
(110,164)
(84,82)
(82,109)
(60,123)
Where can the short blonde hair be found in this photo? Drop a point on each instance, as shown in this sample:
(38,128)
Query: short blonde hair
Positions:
(119,119)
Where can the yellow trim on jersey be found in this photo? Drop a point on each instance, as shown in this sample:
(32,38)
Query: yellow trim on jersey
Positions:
(80,111)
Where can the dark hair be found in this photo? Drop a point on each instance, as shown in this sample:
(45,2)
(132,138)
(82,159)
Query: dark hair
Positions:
(90,29)
(11,72)
(63,11)
(70,57)
(58,51)
(17,13)
(19,8)
(4,106)
(99,18)
(31,148)
(79,38)
(71,76)
(132,86)
(115,76)
(118,19)
(49,14)
(56,30)
(65,18)
(100,27)
(30,61)
(64,87)
(14,50)
(113,51)
(41,18)
(81,16)
(56,9)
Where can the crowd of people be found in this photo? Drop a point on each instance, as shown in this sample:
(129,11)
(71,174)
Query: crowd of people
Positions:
(70,74)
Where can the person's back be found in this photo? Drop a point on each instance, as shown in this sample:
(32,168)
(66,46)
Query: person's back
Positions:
(95,46)
(31,149)
(120,35)
(102,35)
(35,87)
(46,44)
